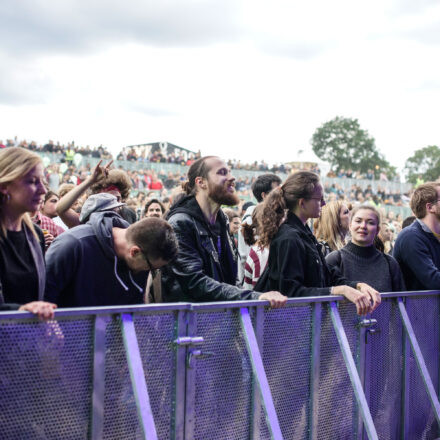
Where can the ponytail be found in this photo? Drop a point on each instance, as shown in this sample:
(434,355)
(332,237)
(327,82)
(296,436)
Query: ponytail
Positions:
(274,208)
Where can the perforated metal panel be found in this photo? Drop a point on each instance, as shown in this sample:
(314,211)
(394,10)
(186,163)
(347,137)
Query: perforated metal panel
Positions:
(156,334)
(385,371)
(336,404)
(287,362)
(47,373)
(424,316)
(120,414)
(45,380)
(223,380)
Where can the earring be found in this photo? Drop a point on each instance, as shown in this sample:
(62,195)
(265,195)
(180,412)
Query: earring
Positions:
(7,197)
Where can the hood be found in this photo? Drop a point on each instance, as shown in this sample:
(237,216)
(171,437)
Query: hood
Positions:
(102,224)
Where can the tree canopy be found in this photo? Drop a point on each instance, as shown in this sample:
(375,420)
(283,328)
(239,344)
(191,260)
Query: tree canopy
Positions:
(424,163)
(343,144)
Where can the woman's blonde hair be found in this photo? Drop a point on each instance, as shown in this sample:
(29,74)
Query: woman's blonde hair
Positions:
(15,162)
(328,226)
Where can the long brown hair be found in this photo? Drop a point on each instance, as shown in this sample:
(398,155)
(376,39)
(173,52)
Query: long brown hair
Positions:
(299,185)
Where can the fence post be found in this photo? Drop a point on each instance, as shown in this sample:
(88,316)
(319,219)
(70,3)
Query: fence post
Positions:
(353,373)
(137,376)
(190,390)
(315,369)
(405,387)
(178,428)
(256,397)
(260,374)
(420,361)
(97,424)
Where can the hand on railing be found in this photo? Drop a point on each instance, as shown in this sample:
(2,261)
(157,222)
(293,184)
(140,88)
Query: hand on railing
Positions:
(366,299)
(44,310)
(276,299)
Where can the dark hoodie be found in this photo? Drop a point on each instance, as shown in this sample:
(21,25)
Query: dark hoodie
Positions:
(206,266)
(82,269)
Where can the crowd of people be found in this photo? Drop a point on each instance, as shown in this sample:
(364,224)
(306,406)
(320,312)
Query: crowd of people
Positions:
(169,153)
(90,243)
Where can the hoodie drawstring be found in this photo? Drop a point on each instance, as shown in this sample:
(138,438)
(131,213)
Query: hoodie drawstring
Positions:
(137,285)
(129,274)
(117,276)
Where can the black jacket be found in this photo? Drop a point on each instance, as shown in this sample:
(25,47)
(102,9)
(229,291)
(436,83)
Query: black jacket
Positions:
(199,274)
(296,266)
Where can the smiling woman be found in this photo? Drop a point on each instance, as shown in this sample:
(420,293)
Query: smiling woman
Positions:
(22,271)
(360,260)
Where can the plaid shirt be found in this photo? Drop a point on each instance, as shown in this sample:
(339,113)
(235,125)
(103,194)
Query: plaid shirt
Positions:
(47,223)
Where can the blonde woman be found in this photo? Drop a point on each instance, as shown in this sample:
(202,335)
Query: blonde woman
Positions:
(360,259)
(332,226)
(22,271)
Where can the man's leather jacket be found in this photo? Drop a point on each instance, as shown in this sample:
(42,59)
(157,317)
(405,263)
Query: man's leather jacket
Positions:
(199,273)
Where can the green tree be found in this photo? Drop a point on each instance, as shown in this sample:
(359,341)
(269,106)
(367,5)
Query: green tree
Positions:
(343,144)
(424,163)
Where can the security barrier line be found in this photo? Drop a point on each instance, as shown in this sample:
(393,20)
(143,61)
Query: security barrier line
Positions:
(214,370)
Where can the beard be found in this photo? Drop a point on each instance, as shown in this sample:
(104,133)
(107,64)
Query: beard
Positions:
(219,194)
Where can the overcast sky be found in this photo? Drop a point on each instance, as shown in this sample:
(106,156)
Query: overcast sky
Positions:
(247,79)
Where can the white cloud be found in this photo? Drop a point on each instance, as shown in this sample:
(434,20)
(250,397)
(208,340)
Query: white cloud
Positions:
(245,80)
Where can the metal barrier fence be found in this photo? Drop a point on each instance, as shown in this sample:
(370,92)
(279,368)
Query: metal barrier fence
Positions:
(312,370)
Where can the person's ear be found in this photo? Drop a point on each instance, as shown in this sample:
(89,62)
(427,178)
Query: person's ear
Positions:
(200,182)
(134,251)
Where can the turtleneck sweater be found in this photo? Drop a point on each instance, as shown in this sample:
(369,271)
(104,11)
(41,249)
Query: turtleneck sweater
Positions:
(368,265)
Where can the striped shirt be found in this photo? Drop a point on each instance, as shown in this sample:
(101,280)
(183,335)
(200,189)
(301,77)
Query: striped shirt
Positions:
(255,264)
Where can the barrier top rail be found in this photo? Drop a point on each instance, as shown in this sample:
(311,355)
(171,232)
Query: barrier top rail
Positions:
(153,308)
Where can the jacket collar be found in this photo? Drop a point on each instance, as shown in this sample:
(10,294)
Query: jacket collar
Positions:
(293,220)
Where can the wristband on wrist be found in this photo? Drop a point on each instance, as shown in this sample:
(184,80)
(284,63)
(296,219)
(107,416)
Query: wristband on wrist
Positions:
(332,289)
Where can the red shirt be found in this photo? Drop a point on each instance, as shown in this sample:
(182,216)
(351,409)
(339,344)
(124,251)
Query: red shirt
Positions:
(156,185)
(47,223)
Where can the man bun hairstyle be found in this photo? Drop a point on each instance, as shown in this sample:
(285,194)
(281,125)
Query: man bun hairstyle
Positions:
(198,169)
(155,237)
(299,185)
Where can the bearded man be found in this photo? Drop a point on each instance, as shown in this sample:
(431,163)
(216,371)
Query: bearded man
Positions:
(206,267)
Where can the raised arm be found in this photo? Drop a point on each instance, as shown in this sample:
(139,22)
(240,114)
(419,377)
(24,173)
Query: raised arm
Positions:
(64,206)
